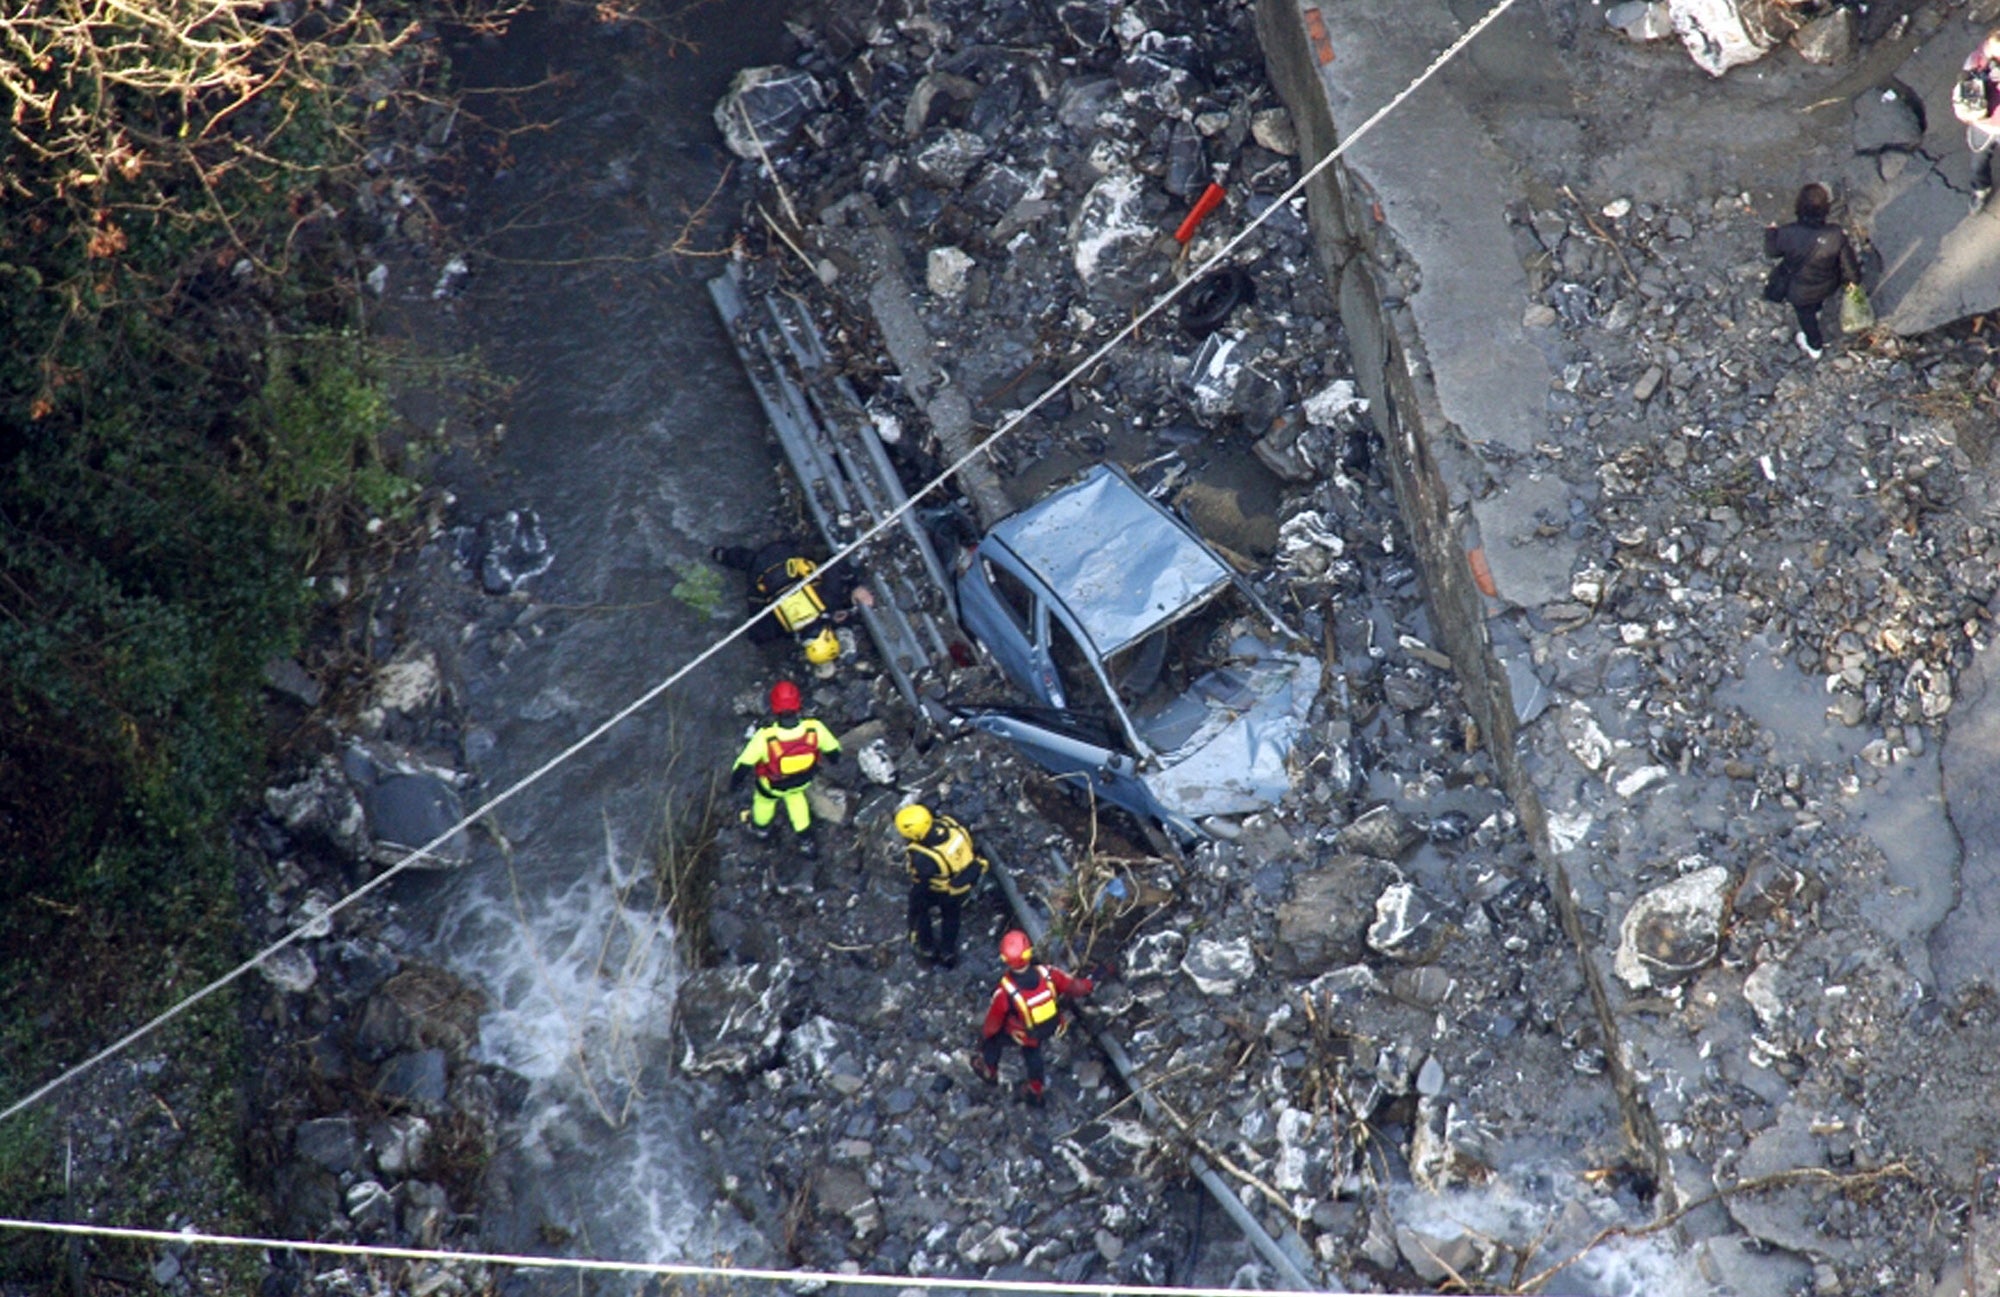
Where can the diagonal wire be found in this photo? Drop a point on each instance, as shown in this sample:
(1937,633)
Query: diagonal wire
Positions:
(664,1269)
(316,925)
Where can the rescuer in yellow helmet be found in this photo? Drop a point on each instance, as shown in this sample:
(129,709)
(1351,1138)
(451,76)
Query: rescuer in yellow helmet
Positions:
(807,614)
(944,868)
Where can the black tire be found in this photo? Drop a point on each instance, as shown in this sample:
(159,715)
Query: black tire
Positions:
(1207,304)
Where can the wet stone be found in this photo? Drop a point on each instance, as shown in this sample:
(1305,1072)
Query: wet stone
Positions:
(762,109)
(1671,932)
(1409,926)
(416,1078)
(329,1142)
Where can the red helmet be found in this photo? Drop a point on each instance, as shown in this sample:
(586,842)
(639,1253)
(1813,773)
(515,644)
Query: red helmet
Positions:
(785,697)
(1016,950)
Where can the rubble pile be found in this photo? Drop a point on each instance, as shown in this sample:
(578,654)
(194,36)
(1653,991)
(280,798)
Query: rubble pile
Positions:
(1361,990)
(1366,991)
(1785,566)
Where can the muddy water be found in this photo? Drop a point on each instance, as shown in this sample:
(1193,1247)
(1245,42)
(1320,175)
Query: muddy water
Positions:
(633,436)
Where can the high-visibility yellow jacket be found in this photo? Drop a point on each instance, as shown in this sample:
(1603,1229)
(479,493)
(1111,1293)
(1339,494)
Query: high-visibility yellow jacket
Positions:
(785,756)
(945,860)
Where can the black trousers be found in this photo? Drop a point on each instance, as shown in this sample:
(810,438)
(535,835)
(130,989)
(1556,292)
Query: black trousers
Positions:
(1031,1057)
(939,937)
(1809,322)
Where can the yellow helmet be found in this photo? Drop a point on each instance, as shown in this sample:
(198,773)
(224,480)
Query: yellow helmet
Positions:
(823,647)
(914,821)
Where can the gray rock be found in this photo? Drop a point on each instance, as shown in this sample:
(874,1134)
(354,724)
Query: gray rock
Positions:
(1887,117)
(1153,955)
(425,1212)
(290,970)
(1672,932)
(1718,35)
(765,107)
(1384,833)
(370,1207)
(408,683)
(322,805)
(1220,967)
(1789,1216)
(286,676)
(1437,1251)
(1424,987)
(1409,926)
(984,1245)
(1827,39)
(1640,20)
(401,1144)
(1272,129)
(418,1078)
(328,1142)
(1407,692)
(842,1192)
(948,159)
(1445,1150)
(1110,239)
(406,811)
(731,1019)
(1325,924)
(924,99)
(944,274)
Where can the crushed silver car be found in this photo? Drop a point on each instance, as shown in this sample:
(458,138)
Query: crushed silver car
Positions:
(1159,678)
(1155,677)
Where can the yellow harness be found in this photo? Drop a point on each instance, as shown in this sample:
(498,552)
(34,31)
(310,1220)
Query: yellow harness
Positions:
(954,856)
(803,606)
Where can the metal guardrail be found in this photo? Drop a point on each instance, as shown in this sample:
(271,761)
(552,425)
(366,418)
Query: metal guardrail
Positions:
(843,470)
(1290,1275)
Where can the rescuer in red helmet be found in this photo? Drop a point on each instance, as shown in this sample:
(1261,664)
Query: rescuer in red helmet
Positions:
(784,756)
(1027,1005)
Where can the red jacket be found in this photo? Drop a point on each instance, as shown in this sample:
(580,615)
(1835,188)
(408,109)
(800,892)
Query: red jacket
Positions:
(1004,1011)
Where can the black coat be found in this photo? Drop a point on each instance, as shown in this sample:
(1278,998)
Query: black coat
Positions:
(1820,258)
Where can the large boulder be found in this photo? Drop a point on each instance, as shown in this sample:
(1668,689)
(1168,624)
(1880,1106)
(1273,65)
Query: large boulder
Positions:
(1672,932)
(764,108)
(1720,34)
(1325,923)
(731,1020)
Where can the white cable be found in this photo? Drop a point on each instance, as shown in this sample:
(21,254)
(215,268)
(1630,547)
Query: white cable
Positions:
(665,1269)
(316,925)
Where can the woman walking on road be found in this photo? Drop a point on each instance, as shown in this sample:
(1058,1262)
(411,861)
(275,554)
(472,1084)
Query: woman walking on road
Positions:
(1815,259)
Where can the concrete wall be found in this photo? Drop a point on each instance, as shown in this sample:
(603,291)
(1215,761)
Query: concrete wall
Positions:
(1430,462)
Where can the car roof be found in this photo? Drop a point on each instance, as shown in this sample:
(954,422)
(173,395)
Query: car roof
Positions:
(1119,562)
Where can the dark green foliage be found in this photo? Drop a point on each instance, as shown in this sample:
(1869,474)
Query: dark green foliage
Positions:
(185,426)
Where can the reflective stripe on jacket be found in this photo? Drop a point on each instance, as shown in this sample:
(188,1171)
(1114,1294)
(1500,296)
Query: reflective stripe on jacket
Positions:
(1002,1013)
(785,756)
(951,866)
(803,606)
(799,609)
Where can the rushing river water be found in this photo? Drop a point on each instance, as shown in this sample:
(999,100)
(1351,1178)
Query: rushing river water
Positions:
(635,439)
